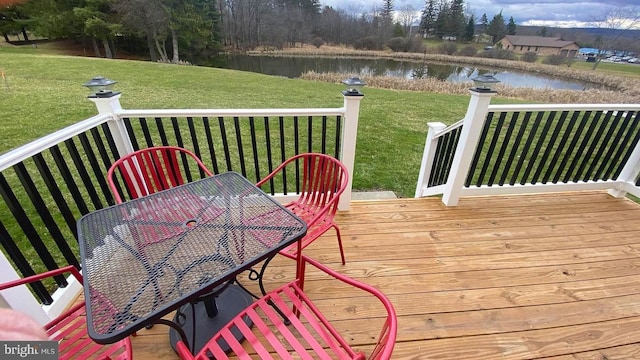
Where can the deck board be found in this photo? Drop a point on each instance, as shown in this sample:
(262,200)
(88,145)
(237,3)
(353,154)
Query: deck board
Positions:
(511,277)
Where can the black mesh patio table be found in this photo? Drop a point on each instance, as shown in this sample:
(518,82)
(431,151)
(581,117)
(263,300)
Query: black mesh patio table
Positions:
(147,257)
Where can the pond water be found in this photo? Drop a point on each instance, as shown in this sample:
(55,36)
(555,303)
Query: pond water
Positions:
(293,67)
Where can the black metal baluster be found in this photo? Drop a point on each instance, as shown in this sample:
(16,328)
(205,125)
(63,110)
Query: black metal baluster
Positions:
(195,143)
(254,148)
(68,179)
(236,124)
(163,134)
(598,143)
(338,136)
(225,143)
(212,150)
(556,149)
(106,162)
(438,160)
(56,194)
(84,175)
(614,144)
(450,152)
(497,164)
(486,159)
(549,145)
(310,134)
(45,215)
(515,149)
(536,151)
(580,157)
(630,148)
(571,153)
(16,255)
(525,151)
(132,137)
(147,133)
(93,161)
(267,138)
(27,227)
(324,135)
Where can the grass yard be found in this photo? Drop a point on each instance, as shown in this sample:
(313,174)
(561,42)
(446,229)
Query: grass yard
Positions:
(620,69)
(44,93)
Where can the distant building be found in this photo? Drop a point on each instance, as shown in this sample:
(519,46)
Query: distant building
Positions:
(540,45)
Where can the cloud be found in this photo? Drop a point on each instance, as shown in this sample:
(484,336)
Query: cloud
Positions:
(560,13)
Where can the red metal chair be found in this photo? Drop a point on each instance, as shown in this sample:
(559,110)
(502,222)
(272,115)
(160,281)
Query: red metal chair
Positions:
(324,179)
(70,328)
(309,335)
(150,170)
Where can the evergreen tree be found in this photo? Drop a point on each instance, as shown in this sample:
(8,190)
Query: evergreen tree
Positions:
(387,9)
(484,23)
(442,21)
(497,29)
(456,19)
(428,19)
(470,29)
(511,26)
(386,17)
(543,32)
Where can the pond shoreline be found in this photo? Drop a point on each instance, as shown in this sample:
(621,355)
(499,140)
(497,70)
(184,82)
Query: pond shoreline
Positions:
(625,89)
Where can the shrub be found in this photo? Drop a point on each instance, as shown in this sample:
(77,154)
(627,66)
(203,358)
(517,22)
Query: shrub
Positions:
(317,42)
(368,43)
(468,50)
(554,60)
(448,48)
(397,44)
(530,57)
(415,44)
(498,54)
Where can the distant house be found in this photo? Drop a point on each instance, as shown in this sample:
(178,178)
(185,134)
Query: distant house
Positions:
(540,45)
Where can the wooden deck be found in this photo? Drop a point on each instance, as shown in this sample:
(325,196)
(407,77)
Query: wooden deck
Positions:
(550,276)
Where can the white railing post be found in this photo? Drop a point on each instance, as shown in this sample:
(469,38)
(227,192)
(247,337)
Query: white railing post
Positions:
(628,174)
(471,128)
(19,298)
(109,103)
(428,155)
(349,135)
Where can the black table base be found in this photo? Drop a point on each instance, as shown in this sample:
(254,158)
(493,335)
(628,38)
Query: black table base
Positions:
(229,303)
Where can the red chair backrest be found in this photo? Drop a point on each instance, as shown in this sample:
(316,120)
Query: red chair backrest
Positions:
(324,179)
(150,170)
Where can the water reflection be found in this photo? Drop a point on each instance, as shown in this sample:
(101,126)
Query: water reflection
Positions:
(293,67)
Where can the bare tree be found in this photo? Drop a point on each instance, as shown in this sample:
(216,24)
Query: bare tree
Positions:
(614,21)
(407,15)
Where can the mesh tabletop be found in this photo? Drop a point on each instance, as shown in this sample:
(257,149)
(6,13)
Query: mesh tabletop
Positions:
(146,257)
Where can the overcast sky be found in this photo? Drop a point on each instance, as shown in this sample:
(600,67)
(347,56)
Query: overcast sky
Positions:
(561,13)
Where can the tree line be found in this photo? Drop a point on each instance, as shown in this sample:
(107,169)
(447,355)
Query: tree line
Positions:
(193,30)
(171,30)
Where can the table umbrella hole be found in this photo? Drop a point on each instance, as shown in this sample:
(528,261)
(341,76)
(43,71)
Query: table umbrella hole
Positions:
(191,222)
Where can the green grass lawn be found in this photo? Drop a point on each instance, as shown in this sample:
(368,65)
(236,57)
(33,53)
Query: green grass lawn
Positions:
(620,69)
(43,93)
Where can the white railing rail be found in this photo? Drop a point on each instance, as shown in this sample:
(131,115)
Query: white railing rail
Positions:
(453,187)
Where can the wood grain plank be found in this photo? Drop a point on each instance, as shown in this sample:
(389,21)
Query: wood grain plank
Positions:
(498,277)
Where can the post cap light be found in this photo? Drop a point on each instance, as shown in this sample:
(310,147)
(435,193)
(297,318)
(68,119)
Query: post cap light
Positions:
(485,83)
(100,87)
(354,84)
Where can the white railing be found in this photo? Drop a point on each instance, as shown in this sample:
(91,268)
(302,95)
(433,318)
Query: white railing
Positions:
(349,111)
(111,113)
(470,139)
